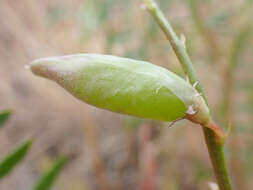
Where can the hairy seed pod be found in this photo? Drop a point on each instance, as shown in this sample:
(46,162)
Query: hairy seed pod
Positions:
(125,86)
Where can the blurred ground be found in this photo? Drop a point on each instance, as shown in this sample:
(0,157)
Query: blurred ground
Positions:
(108,150)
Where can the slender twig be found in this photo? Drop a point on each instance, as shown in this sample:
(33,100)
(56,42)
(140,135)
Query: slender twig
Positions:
(215,149)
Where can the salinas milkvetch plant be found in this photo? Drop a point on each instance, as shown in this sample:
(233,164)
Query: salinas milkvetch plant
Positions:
(141,89)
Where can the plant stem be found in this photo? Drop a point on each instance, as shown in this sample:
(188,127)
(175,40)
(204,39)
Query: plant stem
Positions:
(176,44)
(215,149)
(216,154)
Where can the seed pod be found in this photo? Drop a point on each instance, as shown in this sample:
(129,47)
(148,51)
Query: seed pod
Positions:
(125,86)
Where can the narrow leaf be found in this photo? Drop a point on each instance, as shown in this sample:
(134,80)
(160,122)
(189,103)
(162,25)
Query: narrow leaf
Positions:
(47,180)
(13,158)
(4,116)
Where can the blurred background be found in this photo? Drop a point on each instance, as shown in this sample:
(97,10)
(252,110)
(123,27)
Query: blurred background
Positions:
(109,151)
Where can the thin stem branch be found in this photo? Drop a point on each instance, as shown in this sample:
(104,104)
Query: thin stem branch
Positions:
(176,44)
(215,149)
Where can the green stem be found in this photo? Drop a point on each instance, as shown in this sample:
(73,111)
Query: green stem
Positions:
(216,154)
(176,44)
(215,148)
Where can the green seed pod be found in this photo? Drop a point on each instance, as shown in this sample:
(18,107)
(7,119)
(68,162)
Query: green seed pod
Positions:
(125,86)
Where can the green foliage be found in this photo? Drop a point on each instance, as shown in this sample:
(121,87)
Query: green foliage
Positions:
(4,116)
(47,180)
(14,158)
(123,85)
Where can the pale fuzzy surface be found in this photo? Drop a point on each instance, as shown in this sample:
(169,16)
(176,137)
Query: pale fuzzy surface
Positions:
(119,84)
(65,65)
